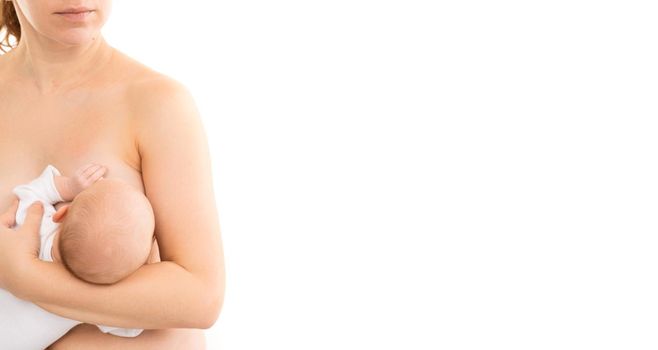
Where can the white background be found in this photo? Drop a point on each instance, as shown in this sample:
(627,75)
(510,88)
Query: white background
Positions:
(423,174)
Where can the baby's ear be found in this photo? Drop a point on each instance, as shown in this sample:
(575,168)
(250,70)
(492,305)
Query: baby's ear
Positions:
(60,214)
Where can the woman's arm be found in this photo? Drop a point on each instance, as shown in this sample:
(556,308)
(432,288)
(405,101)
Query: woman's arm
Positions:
(84,337)
(186,289)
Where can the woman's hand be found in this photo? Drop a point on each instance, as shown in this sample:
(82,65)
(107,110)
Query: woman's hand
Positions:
(18,248)
(8,218)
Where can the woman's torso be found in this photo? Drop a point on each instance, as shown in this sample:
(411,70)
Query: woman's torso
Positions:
(92,123)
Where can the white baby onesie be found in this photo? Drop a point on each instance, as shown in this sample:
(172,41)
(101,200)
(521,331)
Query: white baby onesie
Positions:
(23,325)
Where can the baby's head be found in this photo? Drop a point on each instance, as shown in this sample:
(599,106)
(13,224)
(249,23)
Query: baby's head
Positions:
(106,233)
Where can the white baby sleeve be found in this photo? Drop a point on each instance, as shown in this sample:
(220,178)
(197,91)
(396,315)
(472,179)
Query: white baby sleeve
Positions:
(40,189)
(121,332)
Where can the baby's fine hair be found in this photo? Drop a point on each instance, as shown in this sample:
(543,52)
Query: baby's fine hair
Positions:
(107,232)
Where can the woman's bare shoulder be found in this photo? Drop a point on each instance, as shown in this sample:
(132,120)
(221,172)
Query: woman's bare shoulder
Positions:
(143,82)
(152,94)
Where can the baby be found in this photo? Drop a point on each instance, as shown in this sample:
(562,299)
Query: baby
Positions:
(103,235)
(106,233)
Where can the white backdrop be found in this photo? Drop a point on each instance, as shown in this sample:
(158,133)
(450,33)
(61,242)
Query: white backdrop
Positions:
(423,174)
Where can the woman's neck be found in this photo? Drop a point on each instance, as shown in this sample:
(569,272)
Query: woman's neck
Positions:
(54,68)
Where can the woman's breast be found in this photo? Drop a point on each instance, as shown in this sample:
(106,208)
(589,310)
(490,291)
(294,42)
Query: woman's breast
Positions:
(117,169)
(101,139)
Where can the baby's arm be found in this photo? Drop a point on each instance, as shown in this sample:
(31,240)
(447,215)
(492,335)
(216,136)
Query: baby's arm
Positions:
(69,187)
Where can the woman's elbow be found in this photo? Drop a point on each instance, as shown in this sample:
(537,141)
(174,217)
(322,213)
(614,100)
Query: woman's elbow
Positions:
(207,298)
(212,295)
(212,309)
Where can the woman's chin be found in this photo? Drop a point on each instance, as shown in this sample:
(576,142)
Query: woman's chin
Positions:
(77,39)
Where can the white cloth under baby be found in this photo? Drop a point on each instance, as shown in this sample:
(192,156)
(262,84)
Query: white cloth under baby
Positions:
(24,325)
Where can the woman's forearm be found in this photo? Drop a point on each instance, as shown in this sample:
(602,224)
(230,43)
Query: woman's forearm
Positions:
(148,299)
(86,336)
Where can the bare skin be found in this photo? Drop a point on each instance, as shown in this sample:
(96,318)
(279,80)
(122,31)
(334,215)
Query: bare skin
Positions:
(107,108)
(68,188)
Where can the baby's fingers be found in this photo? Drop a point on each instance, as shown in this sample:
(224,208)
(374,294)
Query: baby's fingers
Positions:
(89,172)
(85,169)
(97,174)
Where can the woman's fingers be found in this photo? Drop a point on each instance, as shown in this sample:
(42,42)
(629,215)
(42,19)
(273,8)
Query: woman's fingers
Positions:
(33,219)
(18,248)
(8,218)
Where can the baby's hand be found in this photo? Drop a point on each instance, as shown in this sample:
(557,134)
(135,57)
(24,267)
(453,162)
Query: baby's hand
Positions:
(85,177)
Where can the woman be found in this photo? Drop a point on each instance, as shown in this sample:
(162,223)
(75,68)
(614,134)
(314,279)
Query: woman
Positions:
(68,98)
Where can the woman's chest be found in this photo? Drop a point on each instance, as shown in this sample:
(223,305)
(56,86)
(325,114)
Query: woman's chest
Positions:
(66,135)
